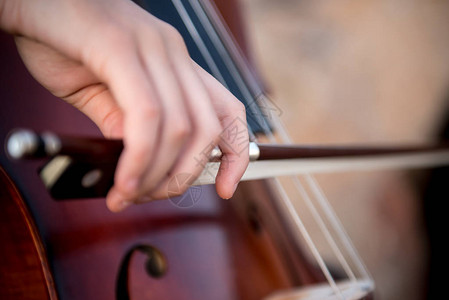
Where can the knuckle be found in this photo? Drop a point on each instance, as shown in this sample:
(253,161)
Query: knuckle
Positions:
(216,129)
(173,39)
(150,111)
(172,34)
(213,132)
(112,124)
(97,51)
(140,154)
(157,42)
(237,107)
(116,36)
(181,129)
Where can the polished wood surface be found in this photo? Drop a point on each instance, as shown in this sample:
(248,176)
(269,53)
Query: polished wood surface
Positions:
(24,270)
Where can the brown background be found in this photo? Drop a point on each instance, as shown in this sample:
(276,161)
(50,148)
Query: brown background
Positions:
(361,72)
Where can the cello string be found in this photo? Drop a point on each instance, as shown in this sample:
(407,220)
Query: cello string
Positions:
(322,200)
(199,42)
(320,197)
(205,20)
(309,241)
(287,202)
(233,49)
(324,229)
(318,219)
(186,19)
(337,224)
(229,48)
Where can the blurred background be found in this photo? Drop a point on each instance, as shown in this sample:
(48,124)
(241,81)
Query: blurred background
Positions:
(366,71)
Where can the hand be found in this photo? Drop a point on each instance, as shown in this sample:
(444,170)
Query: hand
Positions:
(132,75)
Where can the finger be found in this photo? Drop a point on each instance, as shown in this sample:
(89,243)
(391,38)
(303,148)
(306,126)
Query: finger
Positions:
(234,139)
(176,126)
(206,130)
(132,89)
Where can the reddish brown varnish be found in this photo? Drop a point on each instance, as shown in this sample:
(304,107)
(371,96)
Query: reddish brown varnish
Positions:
(24,269)
(216,249)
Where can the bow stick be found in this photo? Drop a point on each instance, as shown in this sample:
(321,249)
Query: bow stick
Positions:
(267,160)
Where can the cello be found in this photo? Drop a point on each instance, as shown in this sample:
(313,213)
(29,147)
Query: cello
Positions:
(179,248)
(67,243)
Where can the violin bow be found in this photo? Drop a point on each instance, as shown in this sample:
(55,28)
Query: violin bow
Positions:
(266,160)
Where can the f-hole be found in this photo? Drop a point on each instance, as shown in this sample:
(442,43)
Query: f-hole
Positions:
(155,266)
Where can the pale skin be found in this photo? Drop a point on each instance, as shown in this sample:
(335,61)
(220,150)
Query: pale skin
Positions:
(131,74)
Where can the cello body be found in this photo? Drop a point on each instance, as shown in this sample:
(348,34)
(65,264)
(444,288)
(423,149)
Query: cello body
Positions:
(77,249)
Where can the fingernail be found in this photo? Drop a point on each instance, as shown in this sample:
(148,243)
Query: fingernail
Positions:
(131,186)
(124,204)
